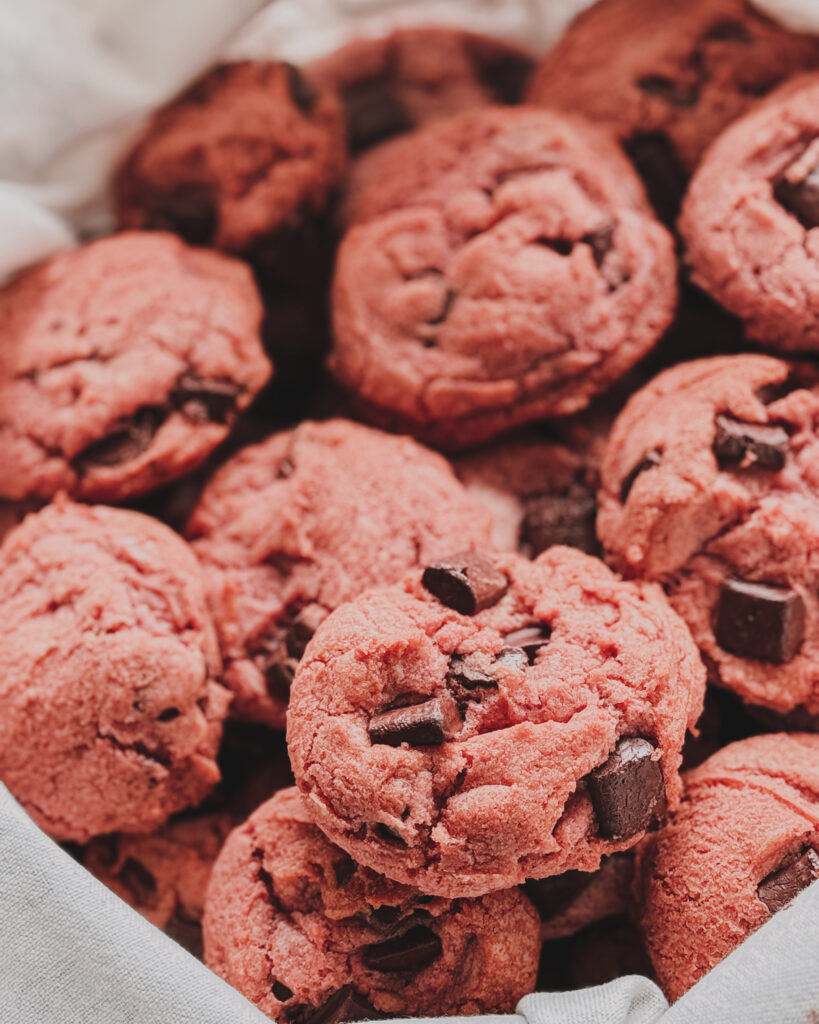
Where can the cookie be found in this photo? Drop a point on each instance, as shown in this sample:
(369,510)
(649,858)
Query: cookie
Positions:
(392,84)
(507,270)
(749,215)
(110,706)
(709,485)
(289,529)
(493,719)
(123,364)
(743,844)
(308,935)
(665,78)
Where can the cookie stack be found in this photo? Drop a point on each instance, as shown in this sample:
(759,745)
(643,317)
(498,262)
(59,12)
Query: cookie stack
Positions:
(502,768)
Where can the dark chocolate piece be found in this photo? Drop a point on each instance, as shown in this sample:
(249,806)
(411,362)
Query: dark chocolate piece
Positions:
(529,640)
(627,789)
(126,439)
(757,620)
(562,246)
(467,582)
(751,445)
(779,888)
(801,198)
(648,461)
(410,952)
(560,519)
(385,832)
(514,657)
(463,672)
(420,725)
(341,1007)
(281,991)
(301,90)
(374,113)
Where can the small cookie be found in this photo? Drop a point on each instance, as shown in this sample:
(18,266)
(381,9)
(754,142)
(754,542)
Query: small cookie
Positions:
(123,364)
(392,84)
(743,843)
(508,270)
(665,78)
(289,529)
(709,485)
(110,708)
(493,719)
(309,936)
(749,216)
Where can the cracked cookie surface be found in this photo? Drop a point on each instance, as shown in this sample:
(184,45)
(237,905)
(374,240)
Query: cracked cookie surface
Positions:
(297,926)
(289,529)
(123,364)
(531,733)
(503,266)
(709,486)
(111,706)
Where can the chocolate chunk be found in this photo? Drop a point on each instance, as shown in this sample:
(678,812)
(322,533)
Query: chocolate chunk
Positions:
(205,399)
(601,242)
(757,620)
(342,1006)
(410,952)
(801,198)
(504,77)
(127,438)
(551,896)
(344,868)
(658,164)
(449,300)
(529,640)
(514,657)
(627,789)
(467,582)
(648,461)
(562,246)
(138,880)
(420,725)
(750,445)
(281,992)
(463,672)
(302,629)
(374,113)
(385,832)
(560,519)
(779,888)
(301,90)
(676,94)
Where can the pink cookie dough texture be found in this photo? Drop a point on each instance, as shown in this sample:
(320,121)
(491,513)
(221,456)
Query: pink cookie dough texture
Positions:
(289,529)
(123,364)
(748,812)
(503,266)
(750,215)
(110,706)
(679,507)
(565,669)
(291,920)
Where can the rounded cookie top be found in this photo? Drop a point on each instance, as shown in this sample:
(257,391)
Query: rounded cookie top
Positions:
(509,271)
(250,149)
(743,844)
(392,84)
(289,529)
(494,719)
(667,77)
(308,935)
(110,709)
(122,366)
(749,216)
(709,484)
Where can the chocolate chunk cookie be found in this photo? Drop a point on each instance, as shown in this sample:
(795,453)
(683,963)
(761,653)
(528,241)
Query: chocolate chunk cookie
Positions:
(709,485)
(110,708)
(667,77)
(289,529)
(507,269)
(749,217)
(493,719)
(123,365)
(743,844)
(309,935)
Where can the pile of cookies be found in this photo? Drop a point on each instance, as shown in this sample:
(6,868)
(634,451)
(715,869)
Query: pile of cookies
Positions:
(549,692)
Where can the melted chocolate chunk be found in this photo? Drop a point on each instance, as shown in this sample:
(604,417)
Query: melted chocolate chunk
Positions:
(410,952)
(467,582)
(676,94)
(560,519)
(281,991)
(342,1006)
(779,888)
(127,438)
(301,90)
(757,620)
(648,461)
(627,789)
(528,640)
(504,77)
(344,868)
(658,164)
(420,725)
(750,445)
(801,198)
(138,880)
(374,113)
(205,399)
(551,896)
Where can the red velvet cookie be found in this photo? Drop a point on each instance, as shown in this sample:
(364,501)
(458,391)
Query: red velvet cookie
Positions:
(310,936)
(709,485)
(743,844)
(289,529)
(667,77)
(750,215)
(493,719)
(392,84)
(508,270)
(110,709)
(122,366)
